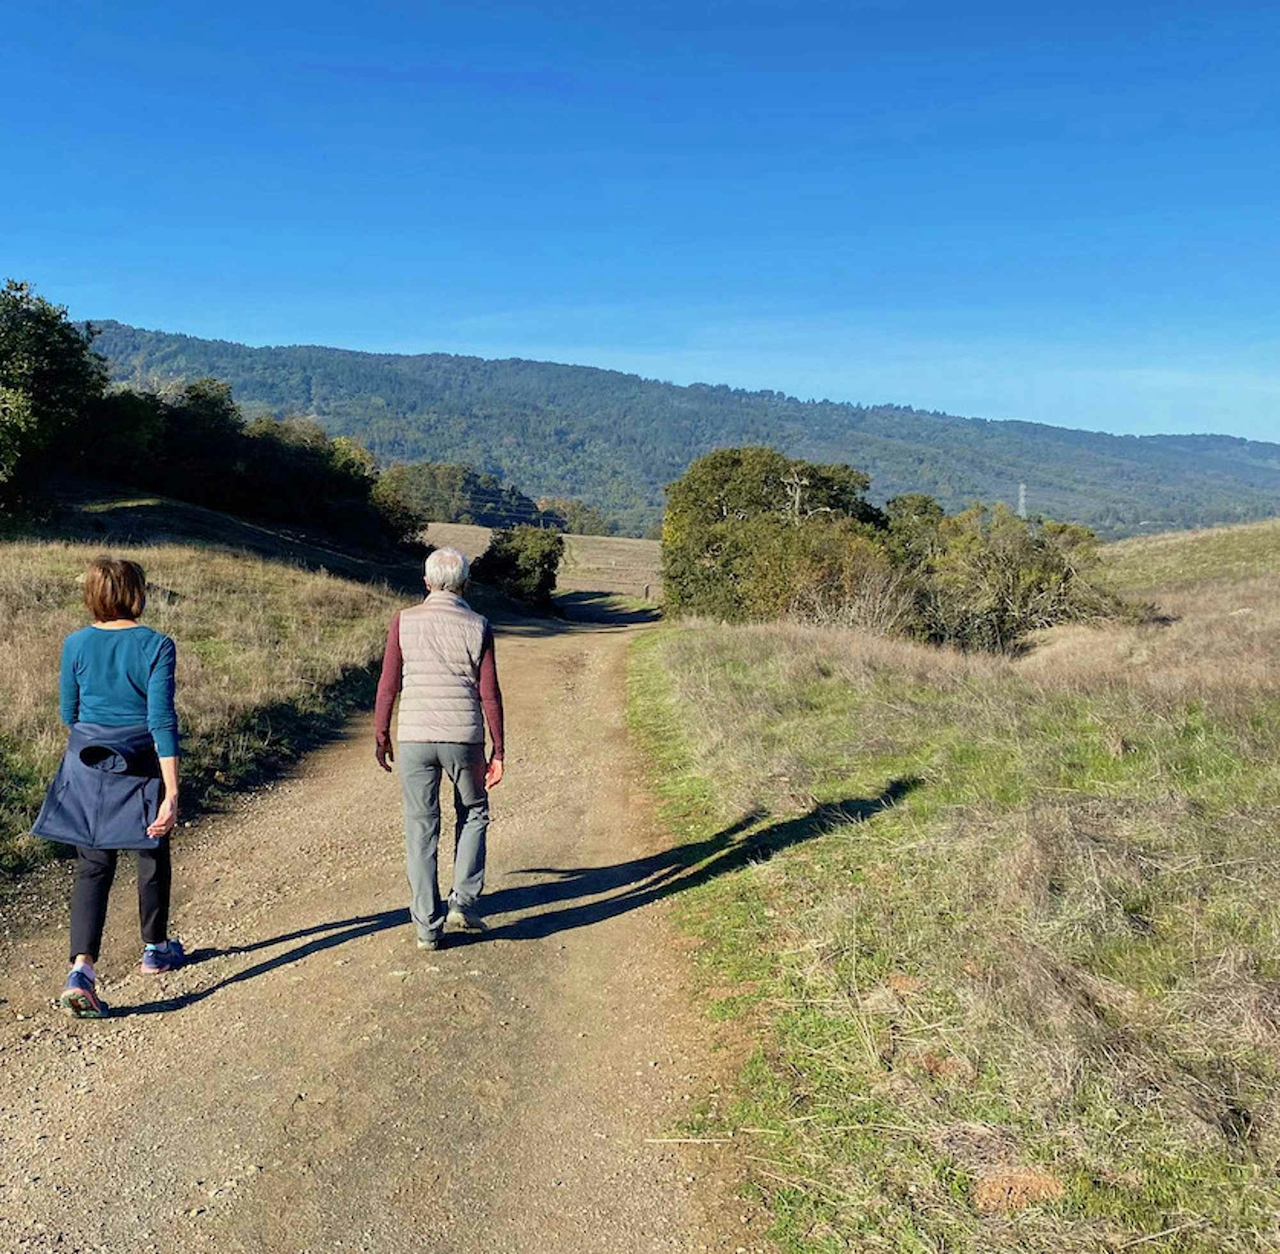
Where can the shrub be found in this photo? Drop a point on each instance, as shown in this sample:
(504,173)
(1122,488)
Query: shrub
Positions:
(751,535)
(523,562)
(993,577)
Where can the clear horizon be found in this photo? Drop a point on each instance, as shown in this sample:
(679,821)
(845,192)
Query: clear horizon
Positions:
(1062,218)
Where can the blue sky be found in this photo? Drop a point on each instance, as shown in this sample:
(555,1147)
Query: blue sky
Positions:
(1058,213)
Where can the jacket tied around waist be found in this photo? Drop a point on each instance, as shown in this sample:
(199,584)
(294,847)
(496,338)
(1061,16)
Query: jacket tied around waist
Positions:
(107,789)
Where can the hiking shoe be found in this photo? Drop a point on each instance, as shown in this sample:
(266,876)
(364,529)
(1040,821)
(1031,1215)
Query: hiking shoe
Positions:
(157,959)
(80,998)
(465,917)
(428,942)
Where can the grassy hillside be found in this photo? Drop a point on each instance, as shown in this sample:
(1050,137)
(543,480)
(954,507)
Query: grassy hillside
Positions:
(271,655)
(1188,560)
(616,440)
(1004,932)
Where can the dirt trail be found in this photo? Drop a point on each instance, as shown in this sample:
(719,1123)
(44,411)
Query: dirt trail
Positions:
(315,1083)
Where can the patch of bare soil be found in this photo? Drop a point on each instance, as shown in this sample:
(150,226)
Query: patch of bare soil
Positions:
(314,1083)
(1014,1189)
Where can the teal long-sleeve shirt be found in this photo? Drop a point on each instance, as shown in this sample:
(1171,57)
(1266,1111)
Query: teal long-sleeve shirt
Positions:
(118,677)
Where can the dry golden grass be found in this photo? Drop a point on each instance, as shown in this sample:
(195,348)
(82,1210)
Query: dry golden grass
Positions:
(608,564)
(269,655)
(461,536)
(613,564)
(1176,559)
(1032,1003)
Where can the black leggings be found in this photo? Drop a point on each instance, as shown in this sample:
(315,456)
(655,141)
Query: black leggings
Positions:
(95,870)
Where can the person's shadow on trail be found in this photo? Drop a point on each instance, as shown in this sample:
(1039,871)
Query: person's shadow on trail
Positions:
(579,896)
(579,892)
(315,940)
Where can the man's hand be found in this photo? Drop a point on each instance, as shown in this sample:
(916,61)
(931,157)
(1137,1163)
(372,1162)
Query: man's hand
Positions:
(385,753)
(493,773)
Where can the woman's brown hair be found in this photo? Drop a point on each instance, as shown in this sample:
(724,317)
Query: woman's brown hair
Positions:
(114,589)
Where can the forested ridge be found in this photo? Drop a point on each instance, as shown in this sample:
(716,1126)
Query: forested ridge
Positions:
(615,440)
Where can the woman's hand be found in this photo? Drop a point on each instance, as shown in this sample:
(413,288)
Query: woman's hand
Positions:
(166,819)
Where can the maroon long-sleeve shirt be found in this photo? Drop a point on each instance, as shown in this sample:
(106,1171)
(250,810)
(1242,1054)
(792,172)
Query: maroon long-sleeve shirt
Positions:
(393,674)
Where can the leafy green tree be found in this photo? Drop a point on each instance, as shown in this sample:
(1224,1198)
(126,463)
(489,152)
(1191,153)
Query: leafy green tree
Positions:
(128,433)
(523,562)
(350,456)
(204,420)
(49,376)
(707,566)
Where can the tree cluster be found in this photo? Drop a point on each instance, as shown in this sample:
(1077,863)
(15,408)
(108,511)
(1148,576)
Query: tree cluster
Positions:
(576,517)
(615,440)
(189,440)
(453,493)
(751,535)
(192,441)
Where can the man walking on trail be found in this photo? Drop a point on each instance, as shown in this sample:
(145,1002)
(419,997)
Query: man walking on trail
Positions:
(439,661)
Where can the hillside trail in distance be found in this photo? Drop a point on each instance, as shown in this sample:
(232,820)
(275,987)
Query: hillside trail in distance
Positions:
(314,1084)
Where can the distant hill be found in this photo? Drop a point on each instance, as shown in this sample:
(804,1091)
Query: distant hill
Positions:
(616,440)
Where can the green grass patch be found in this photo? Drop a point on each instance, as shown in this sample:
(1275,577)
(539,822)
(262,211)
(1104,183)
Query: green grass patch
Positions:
(1010,927)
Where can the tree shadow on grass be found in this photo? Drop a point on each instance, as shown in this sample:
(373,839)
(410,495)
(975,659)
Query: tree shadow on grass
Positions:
(88,512)
(605,609)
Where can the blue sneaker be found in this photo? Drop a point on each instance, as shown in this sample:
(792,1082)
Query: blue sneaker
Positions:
(157,959)
(80,998)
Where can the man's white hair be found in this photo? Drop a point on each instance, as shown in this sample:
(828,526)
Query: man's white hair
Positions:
(447,570)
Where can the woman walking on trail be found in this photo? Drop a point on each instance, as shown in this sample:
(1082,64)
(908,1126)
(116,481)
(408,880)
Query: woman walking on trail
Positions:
(117,785)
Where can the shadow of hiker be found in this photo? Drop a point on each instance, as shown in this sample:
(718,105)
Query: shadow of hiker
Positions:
(643,880)
(575,893)
(339,933)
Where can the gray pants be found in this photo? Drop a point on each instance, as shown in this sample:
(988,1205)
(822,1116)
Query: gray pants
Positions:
(422,763)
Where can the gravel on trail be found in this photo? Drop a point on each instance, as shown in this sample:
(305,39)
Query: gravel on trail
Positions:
(314,1084)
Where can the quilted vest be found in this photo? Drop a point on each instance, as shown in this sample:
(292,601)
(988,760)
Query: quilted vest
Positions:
(440,644)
